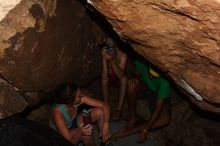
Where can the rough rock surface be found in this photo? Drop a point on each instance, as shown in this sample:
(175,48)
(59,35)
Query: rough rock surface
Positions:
(41,115)
(45,42)
(10,101)
(189,127)
(181,37)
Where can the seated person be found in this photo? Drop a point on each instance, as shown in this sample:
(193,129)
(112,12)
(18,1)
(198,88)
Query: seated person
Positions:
(113,69)
(157,91)
(68,121)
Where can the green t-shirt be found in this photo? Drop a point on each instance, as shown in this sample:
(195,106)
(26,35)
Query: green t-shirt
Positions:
(158,84)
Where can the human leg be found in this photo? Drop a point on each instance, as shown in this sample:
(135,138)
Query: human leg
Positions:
(162,121)
(98,117)
(104,82)
(132,89)
(122,92)
(164,117)
(88,140)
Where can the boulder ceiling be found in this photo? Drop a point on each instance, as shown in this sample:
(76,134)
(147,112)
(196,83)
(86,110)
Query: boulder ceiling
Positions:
(181,37)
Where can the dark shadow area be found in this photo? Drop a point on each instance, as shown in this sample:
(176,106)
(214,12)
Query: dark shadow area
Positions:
(16,131)
(132,55)
(102,22)
(205,114)
(201,113)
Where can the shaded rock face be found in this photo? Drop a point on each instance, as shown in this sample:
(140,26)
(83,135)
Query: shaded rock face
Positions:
(44,43)
(180,37)
(188,128)
(10,101)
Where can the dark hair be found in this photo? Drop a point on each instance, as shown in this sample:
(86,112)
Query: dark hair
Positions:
(109,42)
(66,93)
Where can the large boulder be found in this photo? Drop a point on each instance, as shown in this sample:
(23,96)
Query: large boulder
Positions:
(10,101)
(46,42)
(42,44)
(181,37)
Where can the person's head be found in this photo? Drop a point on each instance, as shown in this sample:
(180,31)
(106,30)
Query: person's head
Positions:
(111,46)
(69,93)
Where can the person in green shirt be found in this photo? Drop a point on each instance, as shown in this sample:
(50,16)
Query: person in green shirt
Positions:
(157,91)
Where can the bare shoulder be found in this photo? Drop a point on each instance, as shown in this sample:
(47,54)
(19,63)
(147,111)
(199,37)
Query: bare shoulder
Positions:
(56,112)
(58,117)
(122,55)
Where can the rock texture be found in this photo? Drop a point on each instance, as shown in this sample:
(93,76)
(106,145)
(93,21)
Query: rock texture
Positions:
(181,37)
(44,43)
(10,101)
(187,128)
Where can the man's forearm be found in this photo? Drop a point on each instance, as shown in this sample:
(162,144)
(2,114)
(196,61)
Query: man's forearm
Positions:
(153,118)
(118,72)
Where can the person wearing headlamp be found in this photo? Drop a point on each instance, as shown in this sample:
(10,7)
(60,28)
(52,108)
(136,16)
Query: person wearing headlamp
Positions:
(113,70)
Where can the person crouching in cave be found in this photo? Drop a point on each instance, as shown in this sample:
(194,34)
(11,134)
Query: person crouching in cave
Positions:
(77,126)
(147,83)
(113,70)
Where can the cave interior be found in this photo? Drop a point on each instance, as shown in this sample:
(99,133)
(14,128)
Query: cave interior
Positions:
(66,47)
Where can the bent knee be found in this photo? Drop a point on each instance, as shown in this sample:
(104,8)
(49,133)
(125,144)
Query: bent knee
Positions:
(123,79)
(88,140)
(97,113)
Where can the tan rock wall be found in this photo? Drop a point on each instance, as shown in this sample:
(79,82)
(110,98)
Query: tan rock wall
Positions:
(179,36)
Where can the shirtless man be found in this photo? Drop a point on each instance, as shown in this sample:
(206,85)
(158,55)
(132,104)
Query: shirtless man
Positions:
(113,69)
